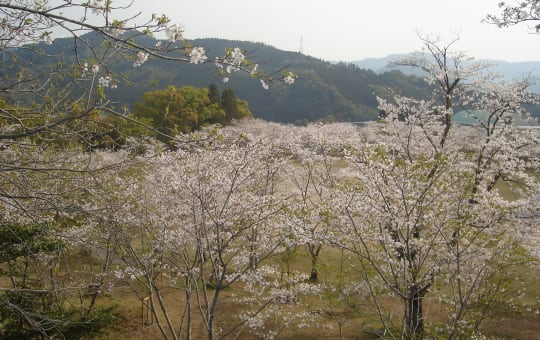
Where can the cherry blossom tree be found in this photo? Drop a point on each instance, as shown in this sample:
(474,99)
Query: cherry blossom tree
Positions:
(61,105)
(424,212)
(207,217)
(317,151)
(41,295)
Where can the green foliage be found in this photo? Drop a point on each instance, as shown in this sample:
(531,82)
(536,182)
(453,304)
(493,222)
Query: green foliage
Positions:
(234,107)
(18,118)
(213,94)
(32,309)
(229,104)
(92,130)
(180,110)
(40,314)
(20,241)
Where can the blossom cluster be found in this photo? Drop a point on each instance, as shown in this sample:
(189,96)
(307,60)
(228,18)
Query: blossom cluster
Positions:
(522,11)
(197,55)
(142,57)
(98,6)
(106,81)
(173,32)
(47,38)
(289,78)
(234,59)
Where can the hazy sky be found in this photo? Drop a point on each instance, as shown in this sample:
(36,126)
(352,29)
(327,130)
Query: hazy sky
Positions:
(351,29)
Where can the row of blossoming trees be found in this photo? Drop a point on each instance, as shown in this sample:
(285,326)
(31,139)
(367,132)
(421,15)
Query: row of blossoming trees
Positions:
(412,203)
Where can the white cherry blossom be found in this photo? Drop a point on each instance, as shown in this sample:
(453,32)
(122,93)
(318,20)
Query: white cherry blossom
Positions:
(289,79)
(197,55)
(174,32)
(104,81)
(47,38)
(97,6)
(142,57)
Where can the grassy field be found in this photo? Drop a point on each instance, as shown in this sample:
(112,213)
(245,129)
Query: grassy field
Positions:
(332,319)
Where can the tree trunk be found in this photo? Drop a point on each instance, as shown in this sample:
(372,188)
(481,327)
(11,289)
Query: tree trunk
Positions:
(220,285)
(313,277)
(414,317)
(314,250)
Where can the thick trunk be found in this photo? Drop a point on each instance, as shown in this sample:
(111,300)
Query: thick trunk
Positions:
(253,262)
(414,317)
(313,277)
(220,285)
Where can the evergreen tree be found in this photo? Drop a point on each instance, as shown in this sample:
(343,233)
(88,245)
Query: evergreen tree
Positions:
(229,103)
(213,94)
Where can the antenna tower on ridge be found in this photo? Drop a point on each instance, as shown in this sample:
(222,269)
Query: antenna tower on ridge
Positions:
(301,49)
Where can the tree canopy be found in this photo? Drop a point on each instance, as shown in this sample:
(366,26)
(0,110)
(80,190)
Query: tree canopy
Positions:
(180,110)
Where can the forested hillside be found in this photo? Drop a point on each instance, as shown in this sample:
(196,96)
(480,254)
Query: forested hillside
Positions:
(322,91)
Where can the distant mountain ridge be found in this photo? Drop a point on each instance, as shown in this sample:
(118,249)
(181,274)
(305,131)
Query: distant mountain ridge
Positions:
(323,91)
(509,70)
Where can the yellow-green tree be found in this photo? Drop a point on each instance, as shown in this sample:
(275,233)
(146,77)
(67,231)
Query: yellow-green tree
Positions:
(176,110)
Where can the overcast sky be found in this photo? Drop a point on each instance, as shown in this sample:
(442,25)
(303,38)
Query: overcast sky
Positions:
(351,29)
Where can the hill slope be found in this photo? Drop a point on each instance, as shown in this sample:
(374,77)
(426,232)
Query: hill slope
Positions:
(322,91)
